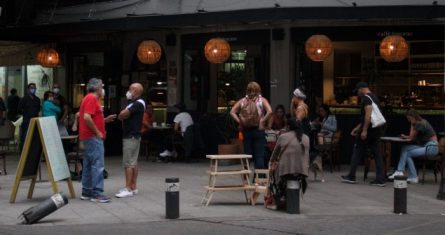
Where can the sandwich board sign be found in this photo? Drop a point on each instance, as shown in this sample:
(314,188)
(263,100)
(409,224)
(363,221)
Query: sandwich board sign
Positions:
(43,138)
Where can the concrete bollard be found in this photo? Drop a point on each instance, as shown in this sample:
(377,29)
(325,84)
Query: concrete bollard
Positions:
(400,194)
(172,198)
(43,209)
(293,197)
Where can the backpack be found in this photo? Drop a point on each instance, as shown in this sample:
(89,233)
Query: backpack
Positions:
(249,114)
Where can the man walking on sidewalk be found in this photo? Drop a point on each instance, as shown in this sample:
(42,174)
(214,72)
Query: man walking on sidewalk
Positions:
(366,136)
(92,135)
(132,121)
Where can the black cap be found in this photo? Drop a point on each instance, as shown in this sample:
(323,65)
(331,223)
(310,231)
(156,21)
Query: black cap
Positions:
(180,106)
(359,85)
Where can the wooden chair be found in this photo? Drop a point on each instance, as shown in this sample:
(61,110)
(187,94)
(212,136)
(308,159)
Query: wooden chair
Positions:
(261,184)
(333,151)
(436,159)
(147,148)
(75,157)
(6,135)
(3,156)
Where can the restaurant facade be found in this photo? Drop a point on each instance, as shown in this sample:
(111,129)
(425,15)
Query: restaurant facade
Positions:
(267,46)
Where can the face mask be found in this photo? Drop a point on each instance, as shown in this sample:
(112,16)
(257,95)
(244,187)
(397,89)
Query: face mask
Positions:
(129,95)
(56,90)
(102,93)
(32,90)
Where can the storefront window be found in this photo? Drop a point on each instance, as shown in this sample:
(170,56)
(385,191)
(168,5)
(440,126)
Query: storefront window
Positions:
(232,79)
(42,77)
(15,79)
(3,90)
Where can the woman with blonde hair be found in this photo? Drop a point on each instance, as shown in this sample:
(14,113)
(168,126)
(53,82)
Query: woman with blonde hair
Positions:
(251,113)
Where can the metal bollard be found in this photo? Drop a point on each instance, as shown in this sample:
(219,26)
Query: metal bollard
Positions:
(293,197)
(441,193)
(172,198)
(400,191)
(43,209)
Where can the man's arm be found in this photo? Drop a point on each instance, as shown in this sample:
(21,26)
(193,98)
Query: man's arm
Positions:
(367,121)
(124,114)
(234,112)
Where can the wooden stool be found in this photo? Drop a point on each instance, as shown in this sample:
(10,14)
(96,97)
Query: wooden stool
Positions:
(3,156)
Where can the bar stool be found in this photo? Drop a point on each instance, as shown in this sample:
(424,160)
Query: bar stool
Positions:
(3,156)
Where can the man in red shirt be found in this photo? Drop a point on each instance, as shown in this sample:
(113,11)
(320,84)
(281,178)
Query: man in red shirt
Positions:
(92,133)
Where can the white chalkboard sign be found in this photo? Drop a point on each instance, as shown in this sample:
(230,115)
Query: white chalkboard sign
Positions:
(54,148)
(42,139)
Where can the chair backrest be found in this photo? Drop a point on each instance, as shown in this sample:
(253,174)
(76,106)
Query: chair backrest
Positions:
(7,130)
(442,146)
(336,137)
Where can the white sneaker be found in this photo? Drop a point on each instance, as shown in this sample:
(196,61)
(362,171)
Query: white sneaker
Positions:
(166,153)
(414,180)
(124,193)
(396,173)
(136,191)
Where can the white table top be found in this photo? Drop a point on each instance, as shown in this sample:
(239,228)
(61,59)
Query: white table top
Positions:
(162,127)
(68,137)
(394,139)
(228,156)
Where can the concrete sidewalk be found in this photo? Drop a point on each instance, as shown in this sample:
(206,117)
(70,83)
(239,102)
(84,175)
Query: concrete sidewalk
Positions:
(331,207)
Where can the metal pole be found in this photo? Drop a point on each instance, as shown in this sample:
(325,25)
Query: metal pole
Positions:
(43,209)
(172,198)
(293,197)
(400,192)
(441,193)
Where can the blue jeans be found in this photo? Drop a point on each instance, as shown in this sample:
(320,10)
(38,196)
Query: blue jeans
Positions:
(410,151)
(93,167)
(254,144)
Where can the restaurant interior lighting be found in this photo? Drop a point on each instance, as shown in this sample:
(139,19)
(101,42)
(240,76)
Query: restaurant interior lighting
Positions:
(318,47)
(394,48)
(217,50)
(48,57)
(149,52)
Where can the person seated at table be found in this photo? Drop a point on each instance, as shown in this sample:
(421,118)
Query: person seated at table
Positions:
(182,120)
(147,123)
(278,120)
(326,123)
(289,161)
(49,107)
(426,143)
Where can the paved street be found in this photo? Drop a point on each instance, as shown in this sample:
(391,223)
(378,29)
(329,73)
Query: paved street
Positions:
(327,208)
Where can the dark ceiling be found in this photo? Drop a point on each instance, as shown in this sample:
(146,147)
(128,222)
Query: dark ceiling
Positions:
(23,12)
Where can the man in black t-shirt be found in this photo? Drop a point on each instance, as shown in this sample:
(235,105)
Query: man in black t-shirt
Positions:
(366,136)
(59,100)
(13,105)
(132,121)
(29,107)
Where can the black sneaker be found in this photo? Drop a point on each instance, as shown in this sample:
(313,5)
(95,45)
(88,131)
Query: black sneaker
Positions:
(377,183)
(347,179)
(85,196)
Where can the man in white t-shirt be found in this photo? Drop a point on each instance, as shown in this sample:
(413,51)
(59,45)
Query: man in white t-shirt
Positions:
(182,120)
